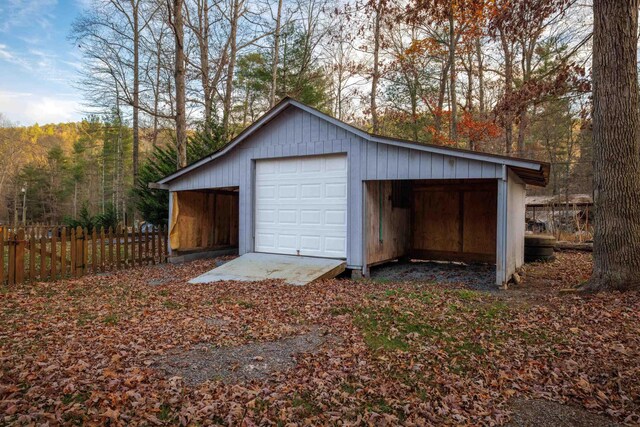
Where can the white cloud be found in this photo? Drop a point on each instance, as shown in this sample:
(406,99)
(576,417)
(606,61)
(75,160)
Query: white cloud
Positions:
(20,13)
(43,65)
(5,53)
(28,108)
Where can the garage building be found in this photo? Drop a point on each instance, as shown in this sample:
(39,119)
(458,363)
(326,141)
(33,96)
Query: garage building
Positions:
(299,182)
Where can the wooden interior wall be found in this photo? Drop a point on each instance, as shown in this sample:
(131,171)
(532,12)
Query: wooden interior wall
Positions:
(396,224)
(207,219)
(454,221)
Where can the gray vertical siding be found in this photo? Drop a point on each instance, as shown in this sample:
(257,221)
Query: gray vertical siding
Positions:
(295,132)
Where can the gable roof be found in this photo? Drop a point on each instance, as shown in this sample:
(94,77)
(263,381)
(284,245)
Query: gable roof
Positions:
(530,171)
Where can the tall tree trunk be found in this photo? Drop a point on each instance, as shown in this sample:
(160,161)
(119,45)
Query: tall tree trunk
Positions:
(527,58)
(437,121)
(179,77)
(375,76)
(276,54)
(233,47)
(508,89)
(470,75)
(156,96)
(203,43)
(453,131)
(616,142)
(481,106)
(136,88)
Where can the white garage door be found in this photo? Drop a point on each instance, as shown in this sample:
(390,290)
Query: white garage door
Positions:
(301,206)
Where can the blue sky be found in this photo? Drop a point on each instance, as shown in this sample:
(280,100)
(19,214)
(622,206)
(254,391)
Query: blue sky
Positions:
(37,63)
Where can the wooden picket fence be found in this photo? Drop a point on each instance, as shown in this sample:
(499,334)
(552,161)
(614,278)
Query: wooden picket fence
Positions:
(28,256)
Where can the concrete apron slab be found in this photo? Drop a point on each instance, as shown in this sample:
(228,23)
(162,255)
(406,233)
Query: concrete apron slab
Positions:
(294,270)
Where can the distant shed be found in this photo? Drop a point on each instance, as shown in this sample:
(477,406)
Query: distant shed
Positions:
(569,213)
(300,182)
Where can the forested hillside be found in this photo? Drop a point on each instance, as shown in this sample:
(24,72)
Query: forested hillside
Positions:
(486,76)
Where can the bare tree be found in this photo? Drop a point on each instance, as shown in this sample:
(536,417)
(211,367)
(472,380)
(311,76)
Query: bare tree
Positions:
(176,22)
(276,55)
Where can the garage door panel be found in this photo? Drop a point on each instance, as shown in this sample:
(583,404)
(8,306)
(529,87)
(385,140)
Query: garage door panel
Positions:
(266,240)
(288,216)
(335,217)
(310,243)
(266,192)
(301,206)
(266,216)
(310,191)
(336,244)
(311,217)
(335,190)
(287,241)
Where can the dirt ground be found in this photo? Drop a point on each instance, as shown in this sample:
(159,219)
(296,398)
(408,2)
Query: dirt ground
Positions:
(143,347)
(257,360)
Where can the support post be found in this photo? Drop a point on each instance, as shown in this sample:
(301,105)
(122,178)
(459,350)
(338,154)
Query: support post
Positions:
(501,231)
(168,237)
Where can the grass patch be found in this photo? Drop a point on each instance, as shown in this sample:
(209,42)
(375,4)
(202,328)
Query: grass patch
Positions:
(246,304)
(86,317)
(75,292)
(71,398)
(340,310)
(348,388)
(171,305)
(466,294)
(111,319)
(380,406)
(387,329)
(165,412)
(306,403)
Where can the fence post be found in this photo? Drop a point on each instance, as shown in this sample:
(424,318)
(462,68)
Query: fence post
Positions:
(32,256)
(118,247)
(11,241)
(79,253)
(72,249)
(54,255)
(94,249)
(102,249)
(165,242)
(1,256)
(126,245)
(111,248)
(19,268)
(154,233)
(146,246)
(63,252)
(85,252)
(43,257)
(140,246)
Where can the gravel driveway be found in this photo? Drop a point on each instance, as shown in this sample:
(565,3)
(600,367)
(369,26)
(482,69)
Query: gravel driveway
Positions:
(479,277)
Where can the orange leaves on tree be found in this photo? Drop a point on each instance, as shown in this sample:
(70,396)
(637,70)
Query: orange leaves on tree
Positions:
(477,130)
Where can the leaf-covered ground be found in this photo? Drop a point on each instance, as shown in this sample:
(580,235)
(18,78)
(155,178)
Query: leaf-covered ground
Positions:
(86,351)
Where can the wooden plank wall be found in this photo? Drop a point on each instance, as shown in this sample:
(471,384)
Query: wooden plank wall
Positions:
(396,224)
(207,219)
(454,221)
